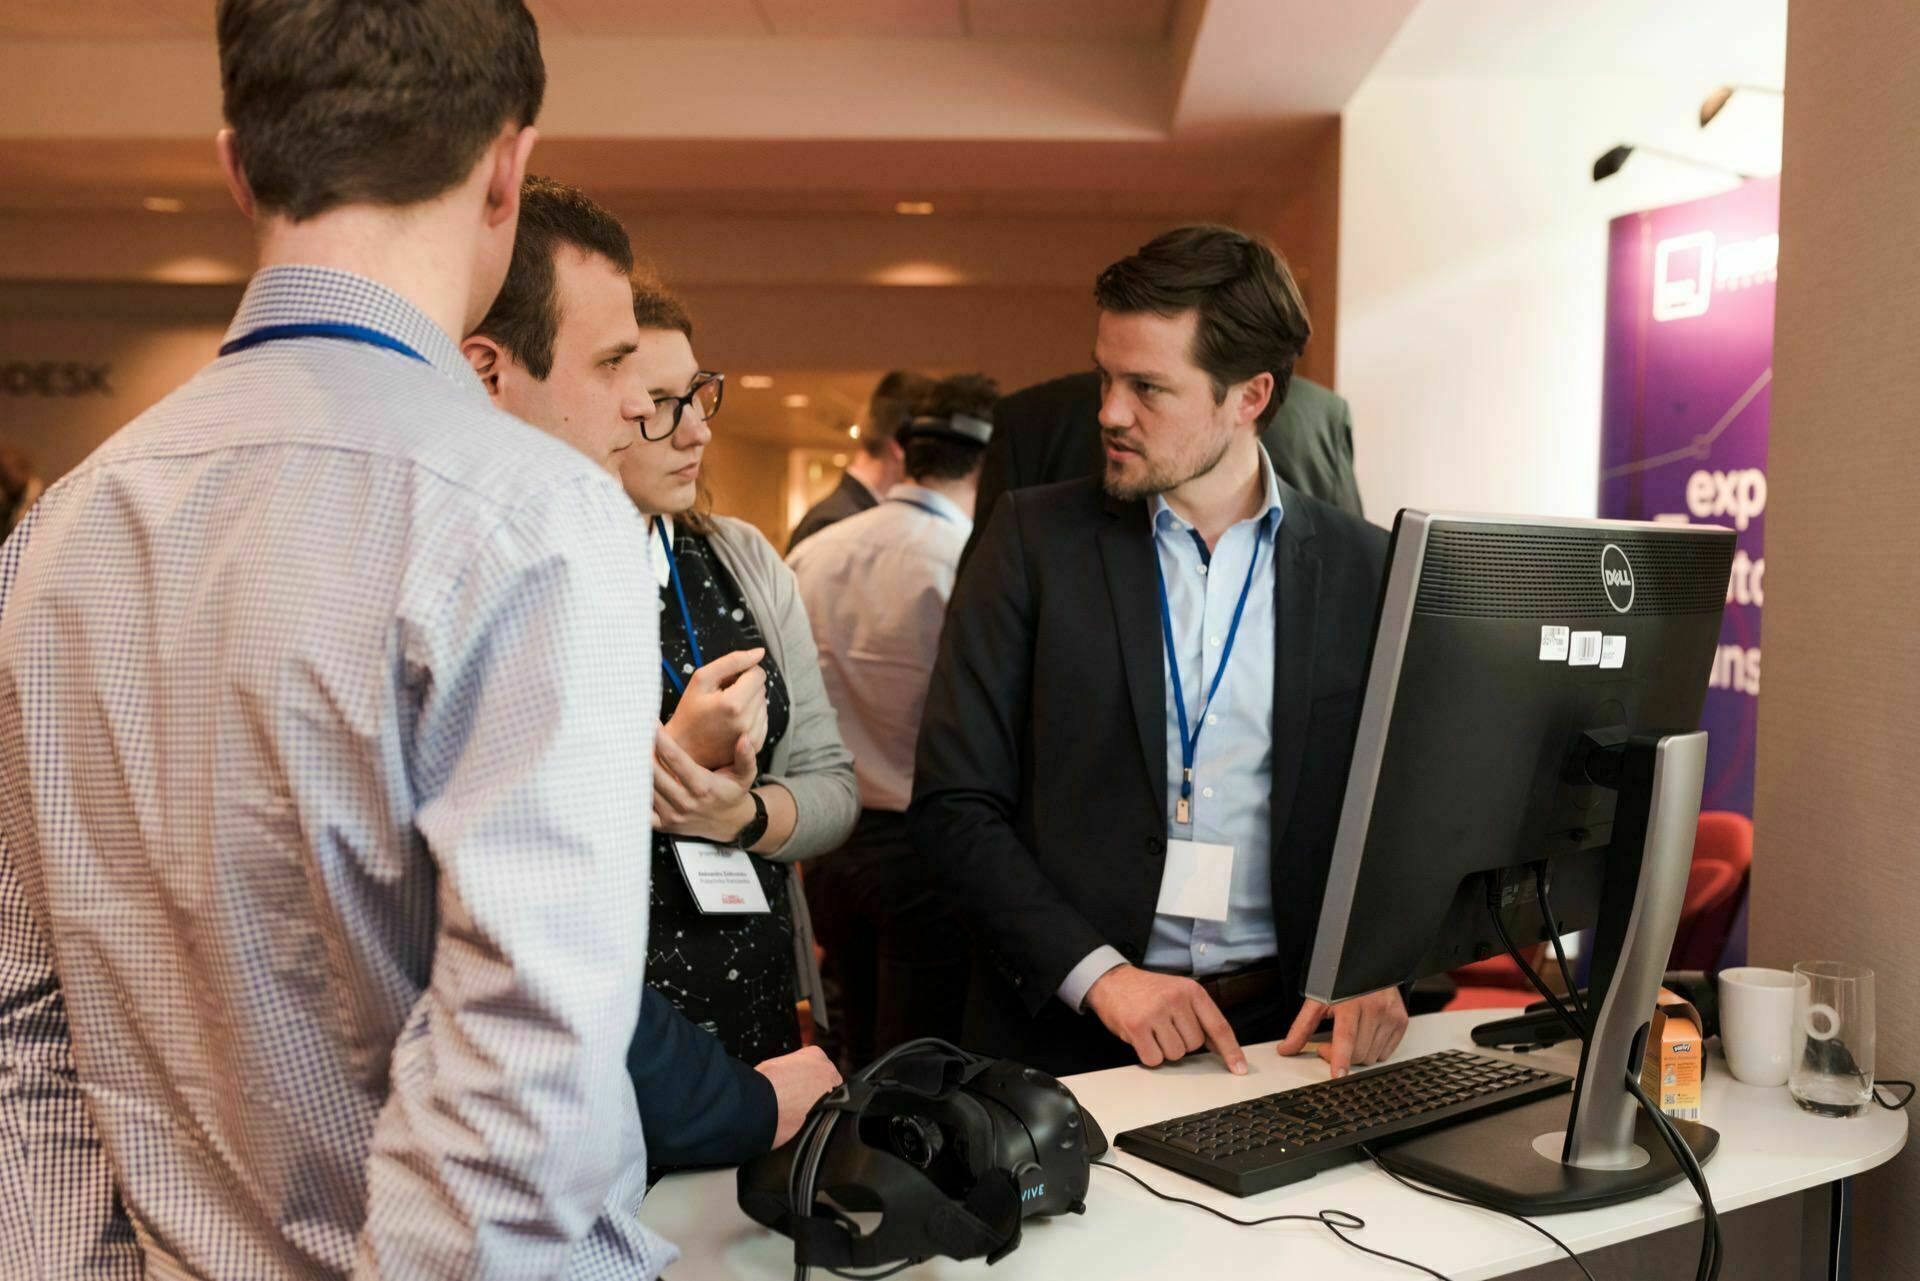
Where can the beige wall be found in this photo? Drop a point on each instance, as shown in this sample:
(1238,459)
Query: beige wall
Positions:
(1839,871)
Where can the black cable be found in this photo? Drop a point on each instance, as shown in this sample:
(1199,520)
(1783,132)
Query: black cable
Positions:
(1338,1222)
(1559,949)
(1892,1107)
(1438,1195)
(1578,1025)
(1708,1268)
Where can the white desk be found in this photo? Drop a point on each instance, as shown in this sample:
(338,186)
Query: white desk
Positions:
(1768,1149)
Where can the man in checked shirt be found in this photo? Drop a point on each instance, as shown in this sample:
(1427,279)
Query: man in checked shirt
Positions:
(324,756)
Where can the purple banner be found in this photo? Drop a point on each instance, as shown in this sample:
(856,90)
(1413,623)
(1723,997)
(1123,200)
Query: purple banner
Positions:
(1683,424)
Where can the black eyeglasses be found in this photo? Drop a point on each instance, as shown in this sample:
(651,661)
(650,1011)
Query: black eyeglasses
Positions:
(704,394)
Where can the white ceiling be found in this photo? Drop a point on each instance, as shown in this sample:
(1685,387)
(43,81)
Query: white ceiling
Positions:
(1078,20)
(1742,39)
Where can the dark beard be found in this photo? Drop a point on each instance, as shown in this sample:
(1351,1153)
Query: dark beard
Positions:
(1157,481)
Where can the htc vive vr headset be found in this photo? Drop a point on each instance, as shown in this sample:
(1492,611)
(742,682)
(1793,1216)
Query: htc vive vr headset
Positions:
(951,1149)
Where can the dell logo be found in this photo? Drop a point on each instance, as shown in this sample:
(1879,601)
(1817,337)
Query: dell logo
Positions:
(1616,575)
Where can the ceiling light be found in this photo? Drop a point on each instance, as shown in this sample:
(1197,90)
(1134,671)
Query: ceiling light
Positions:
(755,382)
(920,208)
(854,431)
(839,460)
(798,401)
(163,204)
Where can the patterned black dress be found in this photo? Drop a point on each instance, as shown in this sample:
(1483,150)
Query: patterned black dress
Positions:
(733,975)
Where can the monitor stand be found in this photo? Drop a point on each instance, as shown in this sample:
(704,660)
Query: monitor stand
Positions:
(1547,1157)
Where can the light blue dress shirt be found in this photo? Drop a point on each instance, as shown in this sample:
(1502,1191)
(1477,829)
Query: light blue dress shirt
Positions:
(1232,802)
(326,711)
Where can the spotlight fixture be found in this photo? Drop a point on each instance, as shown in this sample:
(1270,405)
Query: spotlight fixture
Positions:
(163,204)
(918,208)
(1609,163)
(1718,99)
(798,400)
(755,382)
(854,431)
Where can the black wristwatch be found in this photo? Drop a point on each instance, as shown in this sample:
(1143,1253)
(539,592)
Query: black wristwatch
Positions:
(756,826)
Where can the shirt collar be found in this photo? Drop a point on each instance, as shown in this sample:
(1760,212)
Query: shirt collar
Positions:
(907,491)
(298,294)
(1270,515)
(657,551)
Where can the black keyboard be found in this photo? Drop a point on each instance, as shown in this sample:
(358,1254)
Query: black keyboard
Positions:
(1249,1147)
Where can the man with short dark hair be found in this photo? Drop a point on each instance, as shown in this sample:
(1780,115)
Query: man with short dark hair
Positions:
(557,350)
(879,464)
(1135,740)
(324,753)
(876,586)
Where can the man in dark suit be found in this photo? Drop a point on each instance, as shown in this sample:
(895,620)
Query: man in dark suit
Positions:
(1051,432)
(881,462)
(1135,742)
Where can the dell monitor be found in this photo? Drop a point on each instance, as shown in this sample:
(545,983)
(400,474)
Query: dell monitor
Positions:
(1530,719)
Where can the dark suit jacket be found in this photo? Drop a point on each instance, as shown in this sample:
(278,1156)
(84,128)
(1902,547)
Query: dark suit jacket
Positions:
(1040,781)
(1051,432)
(698,1106)
(848,498)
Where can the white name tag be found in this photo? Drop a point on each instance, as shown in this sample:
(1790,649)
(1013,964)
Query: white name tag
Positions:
(1197,882)
(721,878)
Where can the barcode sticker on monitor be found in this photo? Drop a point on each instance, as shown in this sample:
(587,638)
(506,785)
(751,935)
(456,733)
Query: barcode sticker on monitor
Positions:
(1586,650)
(1553,644)
(1613,651)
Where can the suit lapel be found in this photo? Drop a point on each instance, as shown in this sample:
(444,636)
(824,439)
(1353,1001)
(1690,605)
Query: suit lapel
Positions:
(1126,549)
(1296,601)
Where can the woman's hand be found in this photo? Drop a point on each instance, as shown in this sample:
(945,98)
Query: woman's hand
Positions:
(691,800)
(724,702)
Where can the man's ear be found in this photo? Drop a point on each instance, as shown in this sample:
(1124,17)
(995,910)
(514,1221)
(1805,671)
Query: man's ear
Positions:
(228,149)
(487,360)
(511,152)
(1254,395)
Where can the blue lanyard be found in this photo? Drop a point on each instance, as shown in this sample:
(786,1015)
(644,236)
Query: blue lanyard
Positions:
(693,637)
(1190,741)
(925,507)
(321,329)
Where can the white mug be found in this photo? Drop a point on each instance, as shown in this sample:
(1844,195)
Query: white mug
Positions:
(1756,1024)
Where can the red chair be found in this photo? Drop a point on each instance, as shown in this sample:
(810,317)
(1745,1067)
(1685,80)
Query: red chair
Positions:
(1716,886)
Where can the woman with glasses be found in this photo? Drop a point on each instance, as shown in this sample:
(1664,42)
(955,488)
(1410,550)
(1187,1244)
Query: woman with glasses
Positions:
(749,770)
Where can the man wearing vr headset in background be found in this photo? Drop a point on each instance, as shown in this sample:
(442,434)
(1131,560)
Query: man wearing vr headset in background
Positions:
(880,463)
(876,587)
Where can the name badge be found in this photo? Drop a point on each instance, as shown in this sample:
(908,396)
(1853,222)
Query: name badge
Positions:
(1197,882)
(721,878)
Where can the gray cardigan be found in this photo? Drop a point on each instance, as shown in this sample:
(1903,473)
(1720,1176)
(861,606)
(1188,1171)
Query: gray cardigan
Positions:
(810,761)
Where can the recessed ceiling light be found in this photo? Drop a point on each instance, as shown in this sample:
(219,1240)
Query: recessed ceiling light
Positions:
(839,460)
(798,400)
(755,382)
(919,208)
(162,204)
(854,431)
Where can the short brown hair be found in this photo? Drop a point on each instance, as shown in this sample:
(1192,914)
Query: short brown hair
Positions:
(379,102)
(525,316)
(1251,317)
(945,457)
(655,308)
(896,398)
